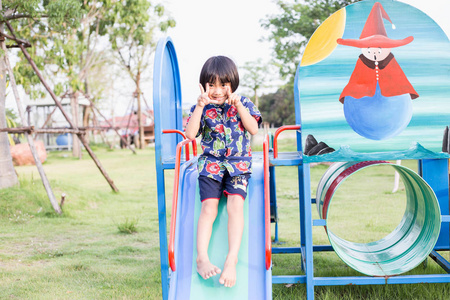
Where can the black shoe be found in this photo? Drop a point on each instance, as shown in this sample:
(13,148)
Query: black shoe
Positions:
(309,144)
(445,140)
(326,150)
(320,148)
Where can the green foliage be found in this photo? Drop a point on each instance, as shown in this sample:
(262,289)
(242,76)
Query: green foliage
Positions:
(128,226)
(256,75)
(68,44)
(61,14)
(291,29)
(134,36)
(11,115)
(11,122)
(27,78)
(278,108)
(40,22)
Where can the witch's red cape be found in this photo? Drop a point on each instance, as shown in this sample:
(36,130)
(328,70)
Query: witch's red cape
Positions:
(392,80)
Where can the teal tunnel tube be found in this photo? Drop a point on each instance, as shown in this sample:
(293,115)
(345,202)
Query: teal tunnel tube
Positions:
(407,245)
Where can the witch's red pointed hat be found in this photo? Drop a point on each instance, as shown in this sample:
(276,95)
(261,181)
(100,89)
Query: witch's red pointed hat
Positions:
(374,34)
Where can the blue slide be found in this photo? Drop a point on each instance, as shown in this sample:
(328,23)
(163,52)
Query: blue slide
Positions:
(253,280)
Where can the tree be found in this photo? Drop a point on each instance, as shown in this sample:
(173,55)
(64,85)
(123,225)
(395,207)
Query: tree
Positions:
(278,108)
(38,22)
(291,29)
(256,75)
(8,176)
(68,55)
(56,12)
(134,40)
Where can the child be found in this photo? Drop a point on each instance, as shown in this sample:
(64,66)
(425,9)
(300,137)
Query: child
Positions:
(225,120)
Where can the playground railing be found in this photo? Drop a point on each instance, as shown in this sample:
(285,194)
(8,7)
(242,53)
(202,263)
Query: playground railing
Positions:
(268,239)
(277,133)
(173,219)
(194,143)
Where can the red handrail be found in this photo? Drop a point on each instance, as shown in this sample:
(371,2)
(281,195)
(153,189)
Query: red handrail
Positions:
(279,130)
(267,203)
(194,143)
(173,219)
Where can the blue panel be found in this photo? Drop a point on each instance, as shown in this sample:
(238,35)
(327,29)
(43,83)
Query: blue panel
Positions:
(435,173)
(356,280)
(166,100)
(167,114)
(319,86)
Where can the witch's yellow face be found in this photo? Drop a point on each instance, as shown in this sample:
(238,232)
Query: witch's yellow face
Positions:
(376,54)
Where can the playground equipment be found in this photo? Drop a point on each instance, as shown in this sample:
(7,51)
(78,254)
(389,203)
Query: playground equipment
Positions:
(320,78)
(179,252)
(414,238)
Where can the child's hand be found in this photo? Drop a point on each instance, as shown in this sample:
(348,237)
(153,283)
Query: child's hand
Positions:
(233,99)
(204,99)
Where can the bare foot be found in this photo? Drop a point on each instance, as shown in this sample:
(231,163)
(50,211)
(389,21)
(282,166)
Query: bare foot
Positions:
(228,277)
(206,269)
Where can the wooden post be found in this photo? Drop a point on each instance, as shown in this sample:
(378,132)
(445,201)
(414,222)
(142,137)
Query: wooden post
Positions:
(30,140)
(76,146)
(52,94)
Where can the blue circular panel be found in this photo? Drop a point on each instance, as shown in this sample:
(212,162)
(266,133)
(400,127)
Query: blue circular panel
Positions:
(378,117)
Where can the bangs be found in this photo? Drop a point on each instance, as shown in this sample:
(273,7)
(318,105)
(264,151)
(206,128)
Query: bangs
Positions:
(221,76)
(221,68)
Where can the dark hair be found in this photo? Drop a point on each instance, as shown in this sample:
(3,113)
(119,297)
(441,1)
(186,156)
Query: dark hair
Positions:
(220,67)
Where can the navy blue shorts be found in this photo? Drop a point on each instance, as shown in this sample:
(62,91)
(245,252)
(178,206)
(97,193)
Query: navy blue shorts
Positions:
(210,188)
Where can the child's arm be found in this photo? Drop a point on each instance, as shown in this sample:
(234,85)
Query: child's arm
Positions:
(249,122)
(194,122)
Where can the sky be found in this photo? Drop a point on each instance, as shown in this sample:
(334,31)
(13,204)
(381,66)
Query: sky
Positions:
(233,28)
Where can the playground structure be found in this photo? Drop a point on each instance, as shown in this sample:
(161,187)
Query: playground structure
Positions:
(422,232)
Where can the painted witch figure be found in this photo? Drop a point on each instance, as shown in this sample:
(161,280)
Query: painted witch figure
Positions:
(377,99)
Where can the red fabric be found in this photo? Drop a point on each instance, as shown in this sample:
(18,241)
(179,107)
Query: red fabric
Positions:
(209,199)
(229,194)
(392,80)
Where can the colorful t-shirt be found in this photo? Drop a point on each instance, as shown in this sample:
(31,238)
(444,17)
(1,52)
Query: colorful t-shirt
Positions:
(225,142)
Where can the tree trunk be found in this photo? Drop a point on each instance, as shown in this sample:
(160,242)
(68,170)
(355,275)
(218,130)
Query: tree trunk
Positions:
(76,150)
(86,117)
(8,176)
(139,111)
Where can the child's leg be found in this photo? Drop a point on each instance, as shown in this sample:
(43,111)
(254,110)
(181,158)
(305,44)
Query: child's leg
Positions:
(235,209)
(204,228)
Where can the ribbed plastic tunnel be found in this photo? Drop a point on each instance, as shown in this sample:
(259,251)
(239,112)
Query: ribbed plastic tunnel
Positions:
(407,245)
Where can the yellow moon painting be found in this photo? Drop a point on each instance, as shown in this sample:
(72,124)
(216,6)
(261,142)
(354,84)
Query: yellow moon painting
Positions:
(323,41)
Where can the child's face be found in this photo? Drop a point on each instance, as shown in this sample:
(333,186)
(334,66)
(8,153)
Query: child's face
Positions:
(218,91)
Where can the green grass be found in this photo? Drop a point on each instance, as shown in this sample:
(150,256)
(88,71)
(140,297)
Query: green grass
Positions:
(128,226)
(82,254)
(106,245)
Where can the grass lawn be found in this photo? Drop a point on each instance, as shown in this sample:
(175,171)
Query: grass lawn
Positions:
(106,245)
